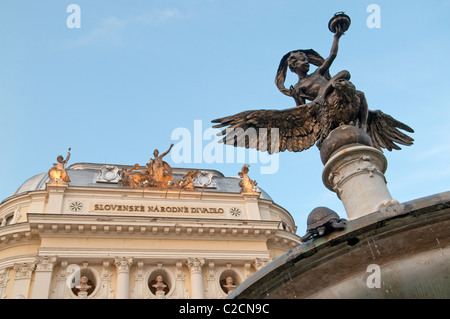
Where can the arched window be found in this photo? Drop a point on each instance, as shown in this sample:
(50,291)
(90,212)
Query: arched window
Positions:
(9,219)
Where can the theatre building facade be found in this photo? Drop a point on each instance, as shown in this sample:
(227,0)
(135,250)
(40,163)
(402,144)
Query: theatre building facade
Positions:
(101,231)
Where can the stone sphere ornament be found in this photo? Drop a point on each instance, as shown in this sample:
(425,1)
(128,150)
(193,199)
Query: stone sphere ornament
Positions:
(342,136)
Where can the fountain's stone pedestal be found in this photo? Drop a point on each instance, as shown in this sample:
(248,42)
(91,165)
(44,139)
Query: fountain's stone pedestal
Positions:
(354,170)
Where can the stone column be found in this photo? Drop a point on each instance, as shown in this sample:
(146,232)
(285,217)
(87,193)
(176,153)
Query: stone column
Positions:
(354,170)
(195,267)
(43,277)
(356,175)
(24,271)
(123,277)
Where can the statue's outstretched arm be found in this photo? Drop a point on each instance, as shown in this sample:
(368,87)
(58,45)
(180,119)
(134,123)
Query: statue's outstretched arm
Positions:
(333,53)
(167,152)
(67,157)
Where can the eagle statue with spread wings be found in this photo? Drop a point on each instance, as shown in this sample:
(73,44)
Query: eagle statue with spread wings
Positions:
(323,103)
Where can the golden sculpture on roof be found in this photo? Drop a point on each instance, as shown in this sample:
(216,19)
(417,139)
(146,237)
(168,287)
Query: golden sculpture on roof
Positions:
(160,170)
(157,174)
(247,185)
(187,182)
(58,172)
(132,178)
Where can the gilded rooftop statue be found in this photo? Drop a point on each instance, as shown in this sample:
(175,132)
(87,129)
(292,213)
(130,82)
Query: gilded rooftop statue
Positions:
(247,185)
(58,172)
(157,173)
(323,103)
(161,171)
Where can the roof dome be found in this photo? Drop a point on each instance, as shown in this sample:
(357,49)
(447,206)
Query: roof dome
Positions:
(34,183)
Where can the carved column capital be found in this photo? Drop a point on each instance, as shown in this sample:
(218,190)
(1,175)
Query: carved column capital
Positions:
(195,265)
(123,264)
(261,262)
(45,263)
(24,270)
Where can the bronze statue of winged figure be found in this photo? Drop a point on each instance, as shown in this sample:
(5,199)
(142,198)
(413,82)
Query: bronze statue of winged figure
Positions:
(323,103)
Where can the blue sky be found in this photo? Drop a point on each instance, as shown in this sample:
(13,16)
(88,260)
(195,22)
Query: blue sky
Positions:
(116,88)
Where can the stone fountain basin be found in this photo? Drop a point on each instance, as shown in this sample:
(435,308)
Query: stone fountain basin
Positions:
(409,242)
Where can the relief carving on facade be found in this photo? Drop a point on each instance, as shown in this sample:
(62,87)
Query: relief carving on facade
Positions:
(4,278)
(105,280)
(108,174)
(180,287)
(261,262)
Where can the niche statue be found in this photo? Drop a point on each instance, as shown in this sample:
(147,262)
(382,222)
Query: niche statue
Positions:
(229,285)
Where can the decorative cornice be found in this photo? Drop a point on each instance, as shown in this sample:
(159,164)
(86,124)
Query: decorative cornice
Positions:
(15,233)
(101,225)
(144,227)
(160,254)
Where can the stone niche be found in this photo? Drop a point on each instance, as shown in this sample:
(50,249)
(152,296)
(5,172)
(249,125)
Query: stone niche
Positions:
(165,285)
(91,284)
(229,280)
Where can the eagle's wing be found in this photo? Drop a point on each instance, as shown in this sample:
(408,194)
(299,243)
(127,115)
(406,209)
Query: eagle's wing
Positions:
(297,127)
(384,131)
